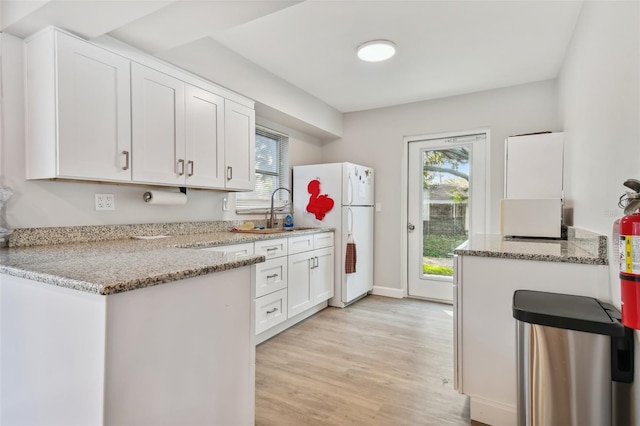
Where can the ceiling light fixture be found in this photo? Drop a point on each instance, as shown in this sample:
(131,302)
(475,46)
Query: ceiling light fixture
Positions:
(376,50)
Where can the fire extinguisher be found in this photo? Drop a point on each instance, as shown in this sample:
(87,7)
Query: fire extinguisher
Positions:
(629,241)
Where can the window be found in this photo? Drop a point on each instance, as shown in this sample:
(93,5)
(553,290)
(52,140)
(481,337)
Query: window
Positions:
(272,171)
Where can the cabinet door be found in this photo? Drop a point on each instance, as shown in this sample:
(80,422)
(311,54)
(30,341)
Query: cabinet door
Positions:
(94,120)
(322,277)
(158,127)
(239,145)
(299,283)
(204,134)
(534,166)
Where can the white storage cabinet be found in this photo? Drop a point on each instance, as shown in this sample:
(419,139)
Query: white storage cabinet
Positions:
(93,114)
(311,268)
(293,282)
(177,131)
(271,278)
(240,146)
(78,110)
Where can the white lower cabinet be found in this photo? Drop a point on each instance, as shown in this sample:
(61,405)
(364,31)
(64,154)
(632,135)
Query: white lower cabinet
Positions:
(485,330)
(310,279)
(271,310)
(271,276)
(293,283)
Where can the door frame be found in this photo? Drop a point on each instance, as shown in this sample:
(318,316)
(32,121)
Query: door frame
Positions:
(404,192)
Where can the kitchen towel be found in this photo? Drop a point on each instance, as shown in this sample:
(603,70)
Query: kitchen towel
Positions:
(350,257)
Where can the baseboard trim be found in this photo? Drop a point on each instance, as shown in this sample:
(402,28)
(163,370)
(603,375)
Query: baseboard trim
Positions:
(277,329)
(396,293)
(492,413)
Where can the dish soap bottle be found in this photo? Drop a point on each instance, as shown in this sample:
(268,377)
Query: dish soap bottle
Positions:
(288,222)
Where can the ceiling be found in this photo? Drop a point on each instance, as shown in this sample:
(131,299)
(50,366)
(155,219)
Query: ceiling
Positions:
(445,48)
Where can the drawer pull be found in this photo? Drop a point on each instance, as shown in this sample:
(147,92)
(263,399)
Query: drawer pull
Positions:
(270,311)
(272,249)
(272,276)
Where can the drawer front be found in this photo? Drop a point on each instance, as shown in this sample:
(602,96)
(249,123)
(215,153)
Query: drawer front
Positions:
(272,248)
(271,276)
(271,310)
(323,240)
(300,244)
(237,250)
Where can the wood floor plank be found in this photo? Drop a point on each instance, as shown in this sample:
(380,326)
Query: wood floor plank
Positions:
(380,361)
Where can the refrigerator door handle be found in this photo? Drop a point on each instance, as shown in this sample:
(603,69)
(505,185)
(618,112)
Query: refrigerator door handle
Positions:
(349,190)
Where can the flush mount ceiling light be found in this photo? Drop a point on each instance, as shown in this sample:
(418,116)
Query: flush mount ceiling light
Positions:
(376,50)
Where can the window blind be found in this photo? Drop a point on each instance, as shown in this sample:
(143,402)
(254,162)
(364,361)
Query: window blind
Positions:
(272,165)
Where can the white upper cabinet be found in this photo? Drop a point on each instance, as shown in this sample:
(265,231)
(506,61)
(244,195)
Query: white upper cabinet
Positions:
(78,110)
(96,114)
(240,146)
(204,138)
(534,166)
(178,131)
(157,111)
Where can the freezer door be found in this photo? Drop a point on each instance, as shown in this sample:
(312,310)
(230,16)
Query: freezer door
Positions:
(360,221)
(357,185)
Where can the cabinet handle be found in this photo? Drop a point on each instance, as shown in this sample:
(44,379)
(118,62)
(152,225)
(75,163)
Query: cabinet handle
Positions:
(126,160)
(180,167)
(317,262)
(270,311)
(269,250)
(229,172)
(272,276)
(190,167)
(313,262)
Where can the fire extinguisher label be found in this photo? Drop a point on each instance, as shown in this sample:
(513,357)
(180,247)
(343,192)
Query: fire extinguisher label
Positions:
(630,254)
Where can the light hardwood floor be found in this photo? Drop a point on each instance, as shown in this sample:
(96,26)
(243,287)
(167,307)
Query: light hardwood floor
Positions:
(380,361)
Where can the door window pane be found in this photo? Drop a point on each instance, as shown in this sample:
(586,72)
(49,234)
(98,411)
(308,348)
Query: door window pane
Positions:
(445,207)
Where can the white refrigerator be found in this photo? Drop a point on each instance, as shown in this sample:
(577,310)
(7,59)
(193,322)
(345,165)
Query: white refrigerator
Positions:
(340,196)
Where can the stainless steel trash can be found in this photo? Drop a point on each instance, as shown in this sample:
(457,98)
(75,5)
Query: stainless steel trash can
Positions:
(575,361)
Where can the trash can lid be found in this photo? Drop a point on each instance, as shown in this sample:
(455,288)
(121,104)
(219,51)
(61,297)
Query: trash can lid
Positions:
(567,311)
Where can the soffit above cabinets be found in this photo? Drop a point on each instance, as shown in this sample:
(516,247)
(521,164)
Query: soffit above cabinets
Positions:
(445,48)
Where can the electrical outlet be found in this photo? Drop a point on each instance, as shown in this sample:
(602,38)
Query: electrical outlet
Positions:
(225,204)
(105,202)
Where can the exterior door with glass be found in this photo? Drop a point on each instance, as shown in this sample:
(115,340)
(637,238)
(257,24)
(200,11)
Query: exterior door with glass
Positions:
(446,201)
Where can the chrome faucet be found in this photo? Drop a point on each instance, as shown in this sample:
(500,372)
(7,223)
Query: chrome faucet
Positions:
(271,220)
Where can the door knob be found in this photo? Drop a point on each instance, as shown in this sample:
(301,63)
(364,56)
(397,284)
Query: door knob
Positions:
(411,227)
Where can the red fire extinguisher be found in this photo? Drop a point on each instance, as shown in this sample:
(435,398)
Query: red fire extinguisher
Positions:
(630,269)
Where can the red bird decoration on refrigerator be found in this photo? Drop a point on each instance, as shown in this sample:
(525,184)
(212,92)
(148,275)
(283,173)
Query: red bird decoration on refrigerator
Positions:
(319,204)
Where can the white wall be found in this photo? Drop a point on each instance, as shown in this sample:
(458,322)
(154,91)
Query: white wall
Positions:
(599,102)
(54,203)
(375,138)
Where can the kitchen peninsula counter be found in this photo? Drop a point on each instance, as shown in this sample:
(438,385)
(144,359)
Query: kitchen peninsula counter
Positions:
(115,266)
(79,347)
(581,246)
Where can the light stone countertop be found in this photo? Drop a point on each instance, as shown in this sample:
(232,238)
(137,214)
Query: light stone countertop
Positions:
(581,247)
(110,267)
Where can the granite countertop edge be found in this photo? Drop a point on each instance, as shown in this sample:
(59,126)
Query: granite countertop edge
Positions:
(534,257)
(146,265)
(581,247)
